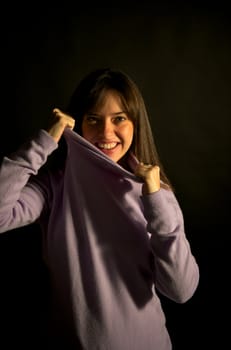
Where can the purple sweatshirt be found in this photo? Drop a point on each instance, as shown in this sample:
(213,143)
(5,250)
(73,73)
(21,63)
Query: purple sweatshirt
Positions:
(107,247)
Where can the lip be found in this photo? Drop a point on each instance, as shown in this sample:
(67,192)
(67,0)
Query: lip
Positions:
(108,151)
(107,145)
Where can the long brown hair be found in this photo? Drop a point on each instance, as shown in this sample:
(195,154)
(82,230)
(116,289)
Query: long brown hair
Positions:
(90,93)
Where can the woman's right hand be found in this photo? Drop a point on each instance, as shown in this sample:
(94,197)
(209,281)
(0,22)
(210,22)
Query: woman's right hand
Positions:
(58,123)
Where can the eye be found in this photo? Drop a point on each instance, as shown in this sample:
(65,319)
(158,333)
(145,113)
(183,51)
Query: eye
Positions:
(119,118)
(92,120)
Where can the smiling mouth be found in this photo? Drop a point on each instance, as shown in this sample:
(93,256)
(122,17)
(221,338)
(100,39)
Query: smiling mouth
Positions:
(106,146)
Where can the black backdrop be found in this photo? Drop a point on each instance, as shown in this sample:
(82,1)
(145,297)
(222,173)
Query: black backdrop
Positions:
(179,55)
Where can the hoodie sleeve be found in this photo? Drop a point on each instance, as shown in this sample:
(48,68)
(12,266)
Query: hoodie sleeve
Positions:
(176,270)
(21,203)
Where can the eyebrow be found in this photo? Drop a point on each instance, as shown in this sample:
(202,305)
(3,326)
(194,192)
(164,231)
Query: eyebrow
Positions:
(114,114)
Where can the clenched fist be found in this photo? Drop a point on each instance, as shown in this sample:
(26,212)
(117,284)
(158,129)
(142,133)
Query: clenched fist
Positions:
(58,123)
(150,175)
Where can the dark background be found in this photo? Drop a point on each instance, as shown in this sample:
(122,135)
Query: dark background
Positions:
(179,55)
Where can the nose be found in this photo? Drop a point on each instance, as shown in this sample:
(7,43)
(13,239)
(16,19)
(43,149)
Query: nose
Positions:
(107,128)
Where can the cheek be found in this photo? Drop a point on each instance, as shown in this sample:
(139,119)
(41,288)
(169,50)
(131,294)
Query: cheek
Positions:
(86,132)
(128,134)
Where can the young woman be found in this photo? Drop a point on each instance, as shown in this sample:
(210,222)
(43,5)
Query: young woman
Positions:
(113,231)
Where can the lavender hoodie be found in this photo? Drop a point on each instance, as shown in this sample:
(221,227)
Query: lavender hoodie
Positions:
(107,247)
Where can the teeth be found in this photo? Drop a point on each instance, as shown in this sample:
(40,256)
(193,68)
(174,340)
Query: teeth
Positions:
(107,145)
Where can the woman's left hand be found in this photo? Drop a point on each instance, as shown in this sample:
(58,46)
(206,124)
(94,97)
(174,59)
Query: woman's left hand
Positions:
(151,176)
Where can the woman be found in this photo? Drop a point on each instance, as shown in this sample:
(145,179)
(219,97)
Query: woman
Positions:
(113,230)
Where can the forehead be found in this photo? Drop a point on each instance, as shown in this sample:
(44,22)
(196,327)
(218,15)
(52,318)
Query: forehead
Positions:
(109,101)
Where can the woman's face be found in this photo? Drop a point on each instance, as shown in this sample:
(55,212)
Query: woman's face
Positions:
(109,127)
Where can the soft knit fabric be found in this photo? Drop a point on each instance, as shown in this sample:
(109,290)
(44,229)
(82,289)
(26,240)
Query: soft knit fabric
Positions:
(107,247)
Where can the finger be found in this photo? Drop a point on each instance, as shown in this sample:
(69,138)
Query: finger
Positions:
(64,118)
(56,110)
(71,124)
